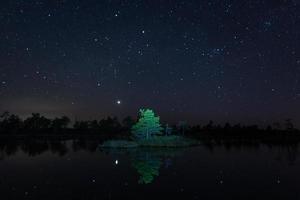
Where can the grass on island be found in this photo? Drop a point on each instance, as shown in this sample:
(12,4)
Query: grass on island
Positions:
(168,141)
(156,141)
(119,144)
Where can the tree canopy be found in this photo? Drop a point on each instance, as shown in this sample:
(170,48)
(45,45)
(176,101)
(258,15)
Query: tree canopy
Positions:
(148,125)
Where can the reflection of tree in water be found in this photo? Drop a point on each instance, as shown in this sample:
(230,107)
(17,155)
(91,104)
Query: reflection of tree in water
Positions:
(287,153)
(34,147)
(147,168)
(147,162)
(83,144)
(58,147)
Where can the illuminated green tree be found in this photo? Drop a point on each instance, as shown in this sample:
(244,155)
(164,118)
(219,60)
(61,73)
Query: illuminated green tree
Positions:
(147,125)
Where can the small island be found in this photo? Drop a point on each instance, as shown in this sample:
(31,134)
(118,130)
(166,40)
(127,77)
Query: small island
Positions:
(148,132)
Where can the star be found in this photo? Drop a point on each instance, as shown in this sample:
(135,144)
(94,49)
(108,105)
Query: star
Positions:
(94,54)
(278,181)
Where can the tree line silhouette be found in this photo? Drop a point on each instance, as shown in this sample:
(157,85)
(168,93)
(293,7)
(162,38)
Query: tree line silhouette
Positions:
(11,124)
(36,124)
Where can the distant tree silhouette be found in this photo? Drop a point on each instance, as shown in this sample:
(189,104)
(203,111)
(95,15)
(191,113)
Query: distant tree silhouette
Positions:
(269,128)
(4,115)
(168,130)
(289,126)
(10,123)
(237,127)
(65,121)
(227,126)
(147,125)
(128,122)
(81,125)
(110,125)
(37,122)
(182,126)
(277,125)
(210,125)
(94,125)
(60,123)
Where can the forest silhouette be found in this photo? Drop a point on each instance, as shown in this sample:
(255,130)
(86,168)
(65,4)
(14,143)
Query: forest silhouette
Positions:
(110,127)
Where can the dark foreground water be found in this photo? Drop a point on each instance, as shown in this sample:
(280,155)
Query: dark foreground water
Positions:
(80,170)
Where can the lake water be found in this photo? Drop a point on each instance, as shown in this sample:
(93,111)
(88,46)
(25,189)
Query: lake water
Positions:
(80,170)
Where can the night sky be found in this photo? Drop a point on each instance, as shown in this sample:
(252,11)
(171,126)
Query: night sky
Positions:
(232,60)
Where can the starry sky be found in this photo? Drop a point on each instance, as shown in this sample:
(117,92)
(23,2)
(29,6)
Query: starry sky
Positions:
(190,60)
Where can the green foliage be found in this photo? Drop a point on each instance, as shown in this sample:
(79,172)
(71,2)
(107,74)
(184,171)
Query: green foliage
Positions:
(147,125)
(146,161)
(147,169)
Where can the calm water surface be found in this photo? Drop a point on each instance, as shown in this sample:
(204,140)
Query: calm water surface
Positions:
(80,170)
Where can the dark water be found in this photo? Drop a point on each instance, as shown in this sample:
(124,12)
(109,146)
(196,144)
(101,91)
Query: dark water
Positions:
(80,170)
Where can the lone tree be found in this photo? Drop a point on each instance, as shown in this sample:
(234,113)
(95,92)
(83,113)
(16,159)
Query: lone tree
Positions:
(147,125)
